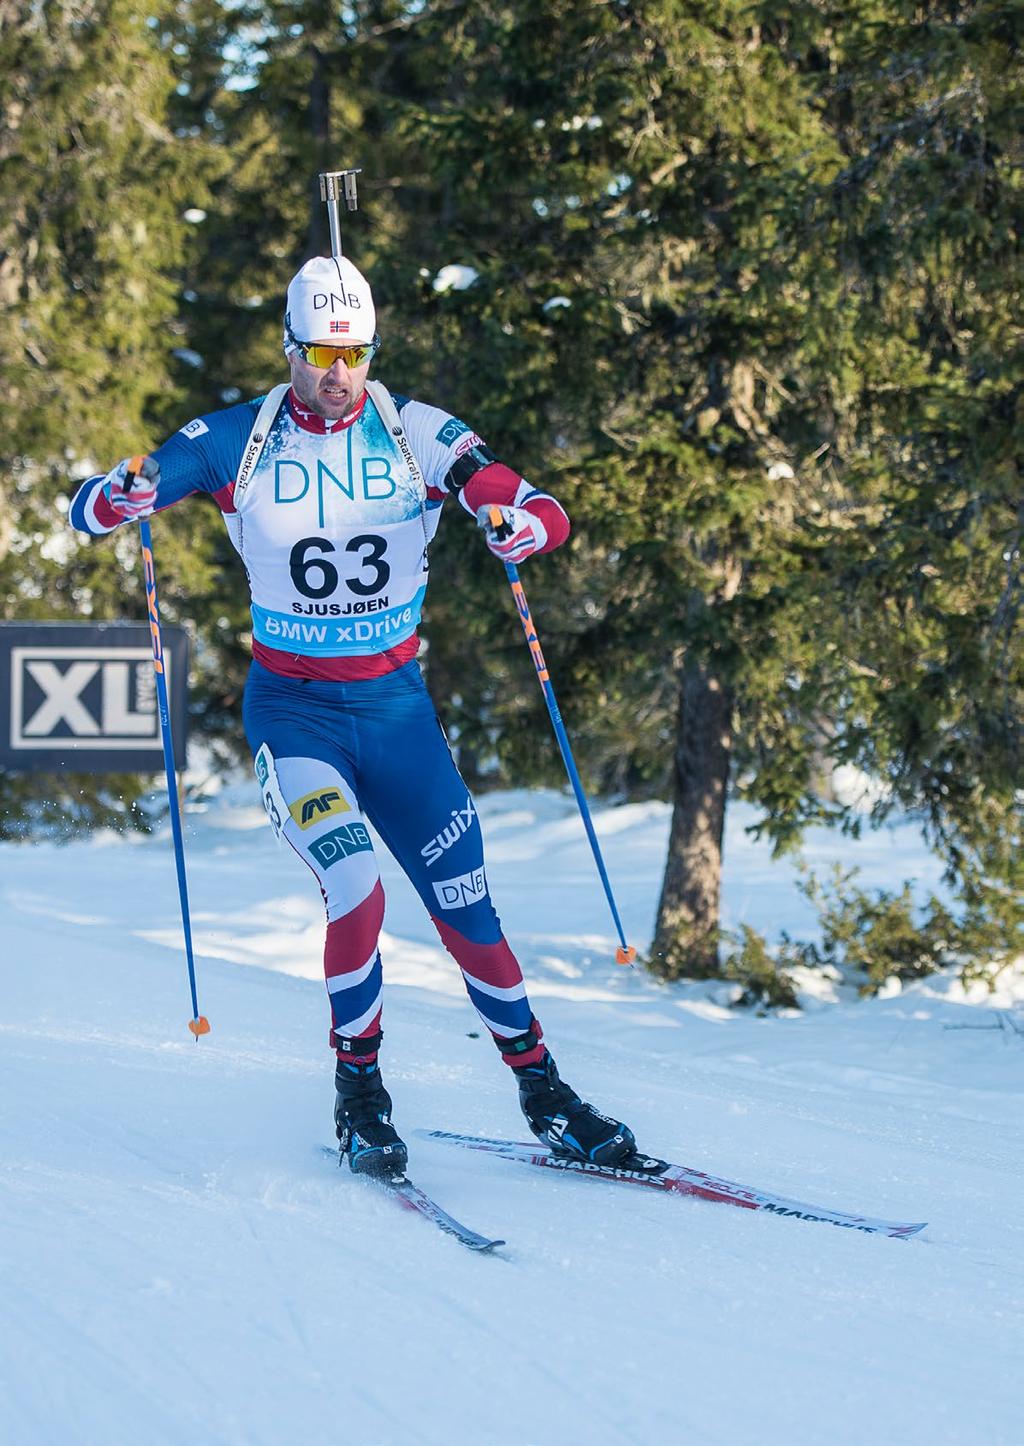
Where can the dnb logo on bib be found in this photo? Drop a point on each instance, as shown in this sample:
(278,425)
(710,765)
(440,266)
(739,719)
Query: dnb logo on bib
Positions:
(316,806)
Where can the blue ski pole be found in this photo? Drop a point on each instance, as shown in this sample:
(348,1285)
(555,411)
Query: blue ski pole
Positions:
(198,1024)
(625,953)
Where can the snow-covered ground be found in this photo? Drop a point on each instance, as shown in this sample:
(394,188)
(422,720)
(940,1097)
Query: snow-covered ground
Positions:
(180,1265)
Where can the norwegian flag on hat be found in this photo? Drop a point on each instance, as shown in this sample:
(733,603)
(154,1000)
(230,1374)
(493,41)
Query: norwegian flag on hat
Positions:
(337,326)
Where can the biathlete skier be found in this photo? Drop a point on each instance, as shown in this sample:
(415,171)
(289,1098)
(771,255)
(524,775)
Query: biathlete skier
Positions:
(331,490)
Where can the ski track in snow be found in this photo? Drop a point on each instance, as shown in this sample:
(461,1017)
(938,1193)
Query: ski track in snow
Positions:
(181,1264)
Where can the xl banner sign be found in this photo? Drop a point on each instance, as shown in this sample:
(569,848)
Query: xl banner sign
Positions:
(82,696)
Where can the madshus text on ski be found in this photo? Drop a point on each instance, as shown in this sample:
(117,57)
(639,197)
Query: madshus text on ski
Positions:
(677,1180)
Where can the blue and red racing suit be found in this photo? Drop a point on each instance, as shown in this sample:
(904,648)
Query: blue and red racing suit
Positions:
(333,521)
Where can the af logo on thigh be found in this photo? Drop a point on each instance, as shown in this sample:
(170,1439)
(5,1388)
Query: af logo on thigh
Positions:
(314,807)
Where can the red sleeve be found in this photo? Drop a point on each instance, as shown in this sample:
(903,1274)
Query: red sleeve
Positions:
(105,514)
(91,512)
(500,485)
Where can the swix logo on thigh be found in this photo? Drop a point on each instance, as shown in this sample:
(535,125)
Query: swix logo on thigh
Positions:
(316,806)
(340,843)
(462,818)
(463,890)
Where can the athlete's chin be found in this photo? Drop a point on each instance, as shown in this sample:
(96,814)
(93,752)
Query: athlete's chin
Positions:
(334,404)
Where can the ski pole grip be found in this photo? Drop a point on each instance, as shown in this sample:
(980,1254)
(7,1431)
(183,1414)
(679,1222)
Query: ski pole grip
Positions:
(499,527)
(132,472)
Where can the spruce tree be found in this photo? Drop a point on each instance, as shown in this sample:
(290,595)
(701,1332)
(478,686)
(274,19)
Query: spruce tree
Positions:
(924,605)
(698,233)
(625,179)
(93,186)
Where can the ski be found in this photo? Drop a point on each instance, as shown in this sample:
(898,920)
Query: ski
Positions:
(676,1180)
(412,1198)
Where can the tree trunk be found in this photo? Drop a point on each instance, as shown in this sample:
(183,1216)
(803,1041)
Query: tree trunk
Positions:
(686,937)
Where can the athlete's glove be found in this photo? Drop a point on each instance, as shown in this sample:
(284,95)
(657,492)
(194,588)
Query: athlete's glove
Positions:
(131,486)
(511,533)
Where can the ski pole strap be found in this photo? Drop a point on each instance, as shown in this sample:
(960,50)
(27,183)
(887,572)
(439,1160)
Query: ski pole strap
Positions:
(365,1044)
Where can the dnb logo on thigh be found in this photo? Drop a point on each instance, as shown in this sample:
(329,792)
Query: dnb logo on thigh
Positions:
(463,890)
(314,807)
(346,839)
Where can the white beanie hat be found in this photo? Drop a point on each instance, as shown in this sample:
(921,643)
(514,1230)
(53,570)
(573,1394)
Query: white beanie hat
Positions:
(329,300)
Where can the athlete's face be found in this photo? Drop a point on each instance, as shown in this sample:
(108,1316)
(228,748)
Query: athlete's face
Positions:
(332,393)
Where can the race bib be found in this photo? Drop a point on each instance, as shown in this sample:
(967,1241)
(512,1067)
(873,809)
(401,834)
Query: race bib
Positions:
(333,535)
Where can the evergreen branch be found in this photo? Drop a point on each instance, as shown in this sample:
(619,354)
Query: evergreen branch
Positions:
(923,119)
(772,380)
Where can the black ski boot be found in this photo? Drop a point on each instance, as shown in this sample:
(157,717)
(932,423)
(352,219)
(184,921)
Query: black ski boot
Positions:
(557,1115)
(362,1118)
